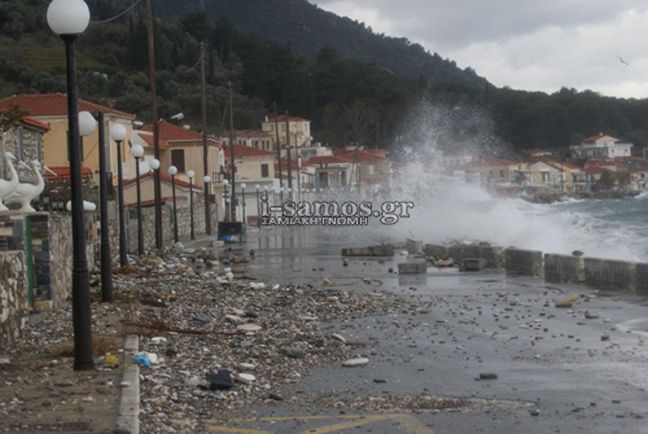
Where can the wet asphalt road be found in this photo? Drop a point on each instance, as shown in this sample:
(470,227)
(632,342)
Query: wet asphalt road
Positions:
(557,372)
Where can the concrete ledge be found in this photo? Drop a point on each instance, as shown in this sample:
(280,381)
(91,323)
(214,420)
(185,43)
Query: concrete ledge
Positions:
(642,278)
(379,250)
(564,269)
(610,275)
(493,256)
(435,251)
(523,262)
(129,399)
(472,264)
(412,268)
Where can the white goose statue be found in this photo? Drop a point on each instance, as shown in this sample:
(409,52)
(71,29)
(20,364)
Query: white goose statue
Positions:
(8,187)
(26,192)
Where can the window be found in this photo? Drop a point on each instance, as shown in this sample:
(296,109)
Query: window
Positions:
(265,171)
(178,159)
(501,174)
(545,176)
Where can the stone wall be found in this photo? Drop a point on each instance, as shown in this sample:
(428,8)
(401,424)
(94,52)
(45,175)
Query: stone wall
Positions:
(148,226)
(61,250)
(14,304)
(523,262)
(610,275)
(564,269)
(493,256)
(642,279)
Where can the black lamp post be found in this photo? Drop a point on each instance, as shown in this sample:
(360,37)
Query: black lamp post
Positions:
(173,171)
(87,126)
(243,187)
(207,182)
(118,134)
(190,175)
(258,204)
(225,199)
(68,19)
(138,152)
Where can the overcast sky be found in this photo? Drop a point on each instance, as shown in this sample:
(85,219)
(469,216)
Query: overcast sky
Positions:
(524,44)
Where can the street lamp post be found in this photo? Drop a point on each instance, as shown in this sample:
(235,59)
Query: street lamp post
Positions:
(173,171)
(207,182)
(118,134)
(258,193)
(190,175)
(154,165)
(225,197)
(68,19)
(138,152)
(87,126)
(243,187)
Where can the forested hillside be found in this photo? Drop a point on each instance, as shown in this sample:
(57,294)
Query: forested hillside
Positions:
(346,93)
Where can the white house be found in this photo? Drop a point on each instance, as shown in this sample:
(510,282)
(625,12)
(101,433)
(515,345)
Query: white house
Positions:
(602,146)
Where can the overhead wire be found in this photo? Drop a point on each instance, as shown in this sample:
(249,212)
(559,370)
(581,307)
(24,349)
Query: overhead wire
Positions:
(119,15)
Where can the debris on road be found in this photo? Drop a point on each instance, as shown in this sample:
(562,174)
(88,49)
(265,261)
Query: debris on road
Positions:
(567,301)
(353,363)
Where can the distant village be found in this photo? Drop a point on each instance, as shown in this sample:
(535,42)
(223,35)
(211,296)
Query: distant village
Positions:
(281,158)
(600,164)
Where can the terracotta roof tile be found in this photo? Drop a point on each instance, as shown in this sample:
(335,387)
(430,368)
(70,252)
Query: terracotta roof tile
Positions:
(323,161)
(28,120)
(53,104)
(241,151)
(63,173)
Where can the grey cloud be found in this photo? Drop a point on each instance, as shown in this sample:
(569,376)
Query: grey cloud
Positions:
(450,24)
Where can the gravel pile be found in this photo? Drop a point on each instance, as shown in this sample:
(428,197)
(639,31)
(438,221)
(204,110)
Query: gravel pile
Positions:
(223,341)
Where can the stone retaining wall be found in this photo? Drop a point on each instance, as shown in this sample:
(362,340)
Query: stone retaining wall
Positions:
(611,275)
(564,269)
(148,226)
(642,279)
(493,256)
(14,304)
(523,262)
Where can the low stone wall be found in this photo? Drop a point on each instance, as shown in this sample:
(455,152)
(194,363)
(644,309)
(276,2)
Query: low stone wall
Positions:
(564,269)
(523,262)
(14,304)
(148,226)
(378,250)
(642,279)
(435,251)
(493,256)
(61,257)
(610,275)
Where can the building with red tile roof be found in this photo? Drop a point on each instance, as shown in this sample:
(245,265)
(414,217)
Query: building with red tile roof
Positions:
(601,146)
(50,111)
(46,105)
(299,130)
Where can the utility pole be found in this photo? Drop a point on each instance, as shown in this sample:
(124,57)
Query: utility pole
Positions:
(276,125)
(288,148)
(232,163)
(156,125)
(204,139)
